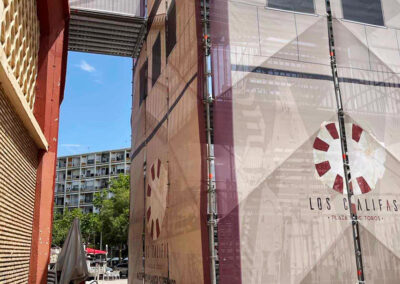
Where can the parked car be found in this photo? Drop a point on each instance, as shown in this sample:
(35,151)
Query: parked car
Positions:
(122,268)
(113,261)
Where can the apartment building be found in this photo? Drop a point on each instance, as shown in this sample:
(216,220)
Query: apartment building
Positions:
(79,177)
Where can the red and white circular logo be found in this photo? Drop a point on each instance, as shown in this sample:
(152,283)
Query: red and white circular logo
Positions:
(156,198)
(366,157)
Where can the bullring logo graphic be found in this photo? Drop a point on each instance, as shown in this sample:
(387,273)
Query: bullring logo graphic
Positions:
(366,157)
(156,198)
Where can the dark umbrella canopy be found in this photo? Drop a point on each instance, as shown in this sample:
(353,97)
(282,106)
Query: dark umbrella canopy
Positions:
(72,259)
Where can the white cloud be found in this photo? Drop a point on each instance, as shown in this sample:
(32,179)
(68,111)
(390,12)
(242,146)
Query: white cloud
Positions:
(86,66)
(70,145)
(72,149)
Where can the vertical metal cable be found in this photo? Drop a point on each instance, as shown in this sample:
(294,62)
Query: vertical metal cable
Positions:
(345,156)
(144,218)
(208,100)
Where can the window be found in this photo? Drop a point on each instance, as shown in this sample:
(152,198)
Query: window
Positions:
(143,82)
(156,60)
(303,6)
(171,28)
(364,11)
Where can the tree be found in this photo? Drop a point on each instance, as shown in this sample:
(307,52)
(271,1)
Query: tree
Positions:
(112,220)
(90,226)
(113,205)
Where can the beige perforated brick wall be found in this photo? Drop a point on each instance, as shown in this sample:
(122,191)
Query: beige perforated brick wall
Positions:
(19,41)
(18,167)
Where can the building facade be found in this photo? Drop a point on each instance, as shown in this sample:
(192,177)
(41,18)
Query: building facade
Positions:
(79,177)
(169,173)
(33,56)
(305,118)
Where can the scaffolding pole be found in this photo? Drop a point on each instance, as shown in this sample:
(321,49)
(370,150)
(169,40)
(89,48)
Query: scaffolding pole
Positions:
(208,101)
(344,148)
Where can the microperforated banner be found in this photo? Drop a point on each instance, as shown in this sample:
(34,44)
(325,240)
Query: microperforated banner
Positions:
(282,197)
(168,241)
(283,212)
(368,60)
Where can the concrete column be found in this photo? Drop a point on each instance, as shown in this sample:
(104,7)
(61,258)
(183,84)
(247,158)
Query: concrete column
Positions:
(53,16)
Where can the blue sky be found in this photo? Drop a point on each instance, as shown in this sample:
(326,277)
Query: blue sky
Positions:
(95,113)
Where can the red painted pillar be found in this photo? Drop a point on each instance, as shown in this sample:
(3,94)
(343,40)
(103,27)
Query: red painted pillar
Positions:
(53,16)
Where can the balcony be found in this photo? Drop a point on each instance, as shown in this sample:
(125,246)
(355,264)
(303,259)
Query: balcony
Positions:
(61,166)
(102,172)
(102,161)
(88,209)
(101,186)
(88,187)
(90,162)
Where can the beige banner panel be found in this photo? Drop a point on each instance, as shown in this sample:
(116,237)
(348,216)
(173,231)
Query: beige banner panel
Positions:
(291,205)
(138,122)
(167,122)
(185,204)
(136,219)
(369,65)
(156,194)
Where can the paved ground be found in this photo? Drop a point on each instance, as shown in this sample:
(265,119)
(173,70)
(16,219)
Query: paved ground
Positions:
(122,281)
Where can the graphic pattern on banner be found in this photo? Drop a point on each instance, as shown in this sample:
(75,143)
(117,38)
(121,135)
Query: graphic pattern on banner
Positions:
(156,217)
(167,243)
(277,162)
(366,164)
(156,198)
(136,220)
(368,59)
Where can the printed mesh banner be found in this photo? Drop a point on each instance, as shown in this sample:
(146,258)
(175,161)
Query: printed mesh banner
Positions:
(368,60)
(156,192)
(283,213)
(283,210)
(137,195)
(136,220)
(185,201)
(168,204)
